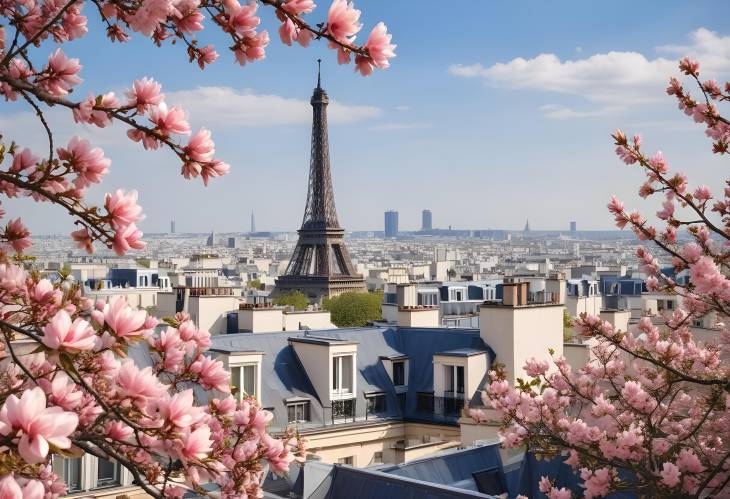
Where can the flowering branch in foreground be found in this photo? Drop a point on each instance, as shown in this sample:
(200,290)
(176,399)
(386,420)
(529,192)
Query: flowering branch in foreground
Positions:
(67,383)
(650,412)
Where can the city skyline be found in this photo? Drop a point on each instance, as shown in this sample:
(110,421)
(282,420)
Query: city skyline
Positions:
(570,95)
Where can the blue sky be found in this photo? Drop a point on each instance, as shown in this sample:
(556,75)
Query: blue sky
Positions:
(458,124)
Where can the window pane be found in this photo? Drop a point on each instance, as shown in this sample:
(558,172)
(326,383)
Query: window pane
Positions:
(460,379)
(449,378)
(72,473)
(399,378)
(347,373)
(249,380)
(236,380)
(335,373)
(107,473)
(291,413)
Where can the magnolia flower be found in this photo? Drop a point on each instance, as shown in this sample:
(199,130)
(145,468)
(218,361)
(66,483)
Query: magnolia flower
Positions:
(35,425)
(73,337)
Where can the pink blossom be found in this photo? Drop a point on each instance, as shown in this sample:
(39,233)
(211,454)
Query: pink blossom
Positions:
(196,444)
(596,482)
(138,385)
(149,15)
(9,488)
(179,410)
(206,55)
(342,21)
(213,169)
(688,462)
(24,160)
(123,208)
(129,237)
(667,210)
(251,47)
(703,193)
(17,235)
(169,121)
(144,94)
(35,425)
(124,321)
(535,368)
(60,74)
(89,164)
(83,240)
(62,334)
(200,147)
(288,32)
(212,374)
(689,66)
(242,19)
(379,51)
(658,162)
(670,474)
(296,7)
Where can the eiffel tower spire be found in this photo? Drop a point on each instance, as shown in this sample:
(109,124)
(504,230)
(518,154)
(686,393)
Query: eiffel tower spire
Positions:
(320,266)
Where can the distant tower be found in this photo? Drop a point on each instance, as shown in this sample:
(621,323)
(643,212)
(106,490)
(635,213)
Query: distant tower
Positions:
(527,225)
(320,266)
(172,226)
(253,223)
(573,227)
(426,220)
(211,239)
(391,223)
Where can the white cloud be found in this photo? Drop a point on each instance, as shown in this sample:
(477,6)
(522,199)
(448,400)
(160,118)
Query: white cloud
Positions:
(614,80)
(400,126)
(558,112)
(246,109)
(402,108)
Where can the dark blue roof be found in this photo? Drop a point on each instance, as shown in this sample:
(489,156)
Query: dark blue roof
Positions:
(284,377)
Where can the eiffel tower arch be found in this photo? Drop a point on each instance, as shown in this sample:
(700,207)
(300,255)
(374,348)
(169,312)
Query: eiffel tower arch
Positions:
(320,265)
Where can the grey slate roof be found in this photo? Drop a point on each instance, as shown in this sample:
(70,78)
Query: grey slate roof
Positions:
(284,377)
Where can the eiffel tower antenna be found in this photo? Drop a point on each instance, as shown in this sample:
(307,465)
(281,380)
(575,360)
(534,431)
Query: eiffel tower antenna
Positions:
(319,70)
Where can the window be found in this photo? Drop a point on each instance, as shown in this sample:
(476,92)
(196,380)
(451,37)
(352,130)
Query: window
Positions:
(70,470)
(490,481)
(349,460)
(298,412)
(342,368)
(107,473)
(378,457)
(243,379)
(375,403)
(399,373)
(454,379)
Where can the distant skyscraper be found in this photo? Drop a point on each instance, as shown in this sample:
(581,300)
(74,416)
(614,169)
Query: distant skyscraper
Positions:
(253,224)
(426,220)
(231,242)
(211,239)
(573,227)
(527,225)
(391,223)
(172,226)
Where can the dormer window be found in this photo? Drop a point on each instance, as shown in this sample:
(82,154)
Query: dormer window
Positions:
(243,378)
(342,375)
(454,380)
(298,411)
(399,372)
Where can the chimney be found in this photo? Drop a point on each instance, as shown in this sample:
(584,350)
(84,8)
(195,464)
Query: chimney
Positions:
(406,295)
(555,284)
(514,292)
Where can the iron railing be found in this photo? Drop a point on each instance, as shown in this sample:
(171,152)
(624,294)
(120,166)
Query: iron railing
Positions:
(444,407)
(343,410)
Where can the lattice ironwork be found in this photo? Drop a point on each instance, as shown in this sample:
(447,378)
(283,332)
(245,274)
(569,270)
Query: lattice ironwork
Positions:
(343,410)
(320,211)
(320,253)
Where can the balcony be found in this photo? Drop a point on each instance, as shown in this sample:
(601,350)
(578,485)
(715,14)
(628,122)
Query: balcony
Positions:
(448,407)
(343,410)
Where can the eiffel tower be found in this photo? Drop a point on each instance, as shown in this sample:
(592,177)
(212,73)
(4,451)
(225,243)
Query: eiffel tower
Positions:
(320,266)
